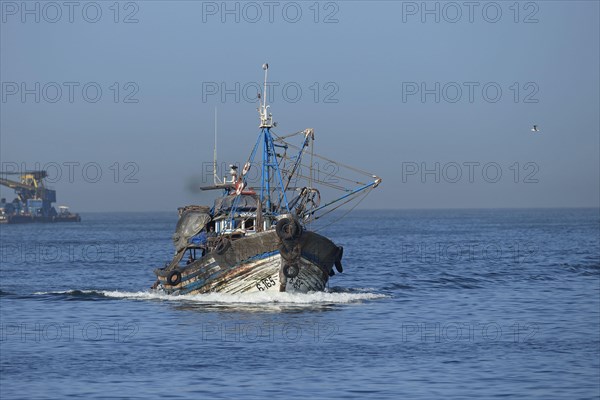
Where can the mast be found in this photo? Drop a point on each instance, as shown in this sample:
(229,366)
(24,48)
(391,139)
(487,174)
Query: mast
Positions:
(270,166)
(307,203)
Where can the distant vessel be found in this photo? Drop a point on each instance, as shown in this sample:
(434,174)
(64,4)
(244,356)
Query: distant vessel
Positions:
(260,240)
(33,202)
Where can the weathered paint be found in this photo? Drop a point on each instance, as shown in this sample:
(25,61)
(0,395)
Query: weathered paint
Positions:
(254,264)
(260,274)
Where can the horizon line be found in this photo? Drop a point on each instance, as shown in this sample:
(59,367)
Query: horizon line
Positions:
(384,209)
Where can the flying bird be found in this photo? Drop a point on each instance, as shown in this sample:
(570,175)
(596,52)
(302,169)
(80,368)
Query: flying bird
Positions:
(535,129)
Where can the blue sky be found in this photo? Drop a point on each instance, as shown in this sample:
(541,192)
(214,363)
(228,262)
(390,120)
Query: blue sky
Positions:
(438,98)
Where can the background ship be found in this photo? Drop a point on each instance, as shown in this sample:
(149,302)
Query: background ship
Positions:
(33,202)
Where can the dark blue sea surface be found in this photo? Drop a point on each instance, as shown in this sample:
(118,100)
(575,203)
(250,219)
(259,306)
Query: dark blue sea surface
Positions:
(432,304)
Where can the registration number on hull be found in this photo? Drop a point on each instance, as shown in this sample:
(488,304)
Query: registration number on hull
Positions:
(265,284)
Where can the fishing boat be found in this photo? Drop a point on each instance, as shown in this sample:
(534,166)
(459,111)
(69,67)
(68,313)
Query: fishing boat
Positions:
(262,240)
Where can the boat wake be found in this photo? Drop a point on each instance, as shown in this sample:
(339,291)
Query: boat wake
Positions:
(266,299)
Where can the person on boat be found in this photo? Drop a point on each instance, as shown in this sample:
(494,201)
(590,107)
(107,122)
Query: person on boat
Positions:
(233,174)
(211,232)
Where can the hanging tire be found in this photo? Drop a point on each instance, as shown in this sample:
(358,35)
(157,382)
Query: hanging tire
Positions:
(338,260)
(174,278)
(291,270)
(288,229)
(289,254)
(222,245)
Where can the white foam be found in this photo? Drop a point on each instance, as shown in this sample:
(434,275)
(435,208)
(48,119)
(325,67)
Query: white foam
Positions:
(244,298)
(65,292)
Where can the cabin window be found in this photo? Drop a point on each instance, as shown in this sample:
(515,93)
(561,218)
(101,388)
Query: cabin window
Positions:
(249,224)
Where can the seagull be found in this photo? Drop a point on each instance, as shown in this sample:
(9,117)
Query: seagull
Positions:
(535,129)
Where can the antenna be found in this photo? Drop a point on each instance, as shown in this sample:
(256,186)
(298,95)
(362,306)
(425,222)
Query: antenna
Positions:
(266,69)
(266,119)
(215,177)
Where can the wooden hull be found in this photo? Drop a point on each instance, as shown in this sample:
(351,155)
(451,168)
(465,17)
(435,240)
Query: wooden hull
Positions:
(253,264)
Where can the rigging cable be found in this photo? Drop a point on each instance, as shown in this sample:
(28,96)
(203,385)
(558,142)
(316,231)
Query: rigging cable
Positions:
(346,213)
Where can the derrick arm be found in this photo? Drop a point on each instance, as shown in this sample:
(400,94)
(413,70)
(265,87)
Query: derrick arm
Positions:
(15,184)
(31,186)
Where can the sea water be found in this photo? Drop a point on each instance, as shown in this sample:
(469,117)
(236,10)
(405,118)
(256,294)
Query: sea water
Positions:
(431,304)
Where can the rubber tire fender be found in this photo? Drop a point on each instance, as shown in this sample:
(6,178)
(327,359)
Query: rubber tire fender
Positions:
(174,277)
(288,229)
(222,245)
(291,270)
